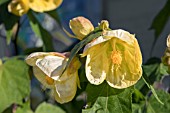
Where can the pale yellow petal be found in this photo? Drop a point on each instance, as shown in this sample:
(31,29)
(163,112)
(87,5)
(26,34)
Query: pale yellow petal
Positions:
(97,64)
(32,58)
(44,5)
(66,90)
(120,34)
(121,78)
(97,41)
(129,71)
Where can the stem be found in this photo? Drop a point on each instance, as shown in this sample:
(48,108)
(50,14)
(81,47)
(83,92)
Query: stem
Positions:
(16,37)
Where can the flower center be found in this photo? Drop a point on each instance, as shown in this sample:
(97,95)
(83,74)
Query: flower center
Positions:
(116,57)
(49,80)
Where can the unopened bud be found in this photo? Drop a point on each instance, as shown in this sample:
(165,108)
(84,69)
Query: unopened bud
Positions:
(166,57)
(81,27)
(168,41)
(104,25)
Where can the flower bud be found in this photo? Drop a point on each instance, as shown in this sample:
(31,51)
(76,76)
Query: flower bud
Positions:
(166,57)
(81,27)
(168,41)
(104,25)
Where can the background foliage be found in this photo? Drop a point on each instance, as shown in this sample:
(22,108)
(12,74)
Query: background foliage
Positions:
(149,95)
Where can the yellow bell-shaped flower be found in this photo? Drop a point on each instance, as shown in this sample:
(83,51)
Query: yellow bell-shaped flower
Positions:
(81,27)
(44,5)
(48,69)
(114,57)
(20,7)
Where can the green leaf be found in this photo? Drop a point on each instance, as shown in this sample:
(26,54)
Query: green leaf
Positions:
(6,17)
(31,50)
(137,96)
(14,82)
(154,70)
(55,16)
(161,19)
(21,110)
(93,91)
(48,108)
(25,108)
(147,81)
(82,43)
(3,1)
(156,107)
(108,99)
(41,32)
(8,36)
(139,108)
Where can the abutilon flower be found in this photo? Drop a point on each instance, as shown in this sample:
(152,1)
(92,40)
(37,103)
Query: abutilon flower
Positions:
(48,69)
(20,7)
(114,57)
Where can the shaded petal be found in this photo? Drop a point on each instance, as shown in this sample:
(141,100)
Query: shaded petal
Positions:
(66,90)
(38,73)
(44,5)
(74,65)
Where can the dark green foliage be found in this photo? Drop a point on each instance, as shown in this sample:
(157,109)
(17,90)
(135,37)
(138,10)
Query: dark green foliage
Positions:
(161,19)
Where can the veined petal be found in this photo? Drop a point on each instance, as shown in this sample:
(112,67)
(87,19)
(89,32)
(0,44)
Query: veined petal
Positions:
(66,90)
(99,40)
(44,5)
(32,58)
(121,78)
(121,34)
(97,64)
(129,71)
(52,63)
